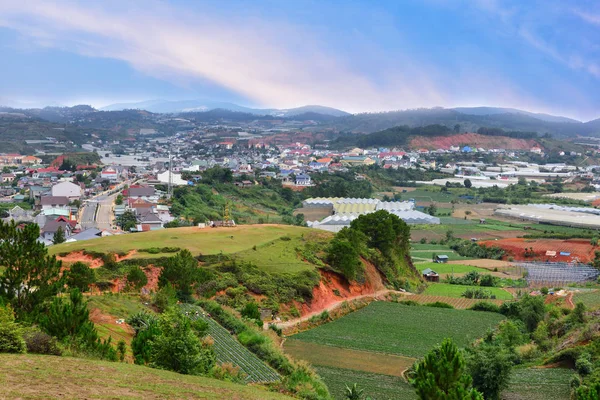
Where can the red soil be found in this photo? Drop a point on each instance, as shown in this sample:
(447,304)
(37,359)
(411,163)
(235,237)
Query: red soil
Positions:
(74,257)
(581,250)
(152,273)
(472,140)
(324,295)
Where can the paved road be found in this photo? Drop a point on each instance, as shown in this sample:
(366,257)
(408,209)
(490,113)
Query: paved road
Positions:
(97,212)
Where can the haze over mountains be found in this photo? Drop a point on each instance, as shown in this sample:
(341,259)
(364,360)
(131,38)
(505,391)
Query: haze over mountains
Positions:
(468,119)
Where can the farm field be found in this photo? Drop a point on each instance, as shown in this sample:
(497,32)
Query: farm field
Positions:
(359,360)
(376,386)
(118,305)
(282,255)
(449,268)
(539,384)
(48,377)
(399,329)
(445,289)
(199,241)
(458,303)
(229,350)
(591,298)
(490,230)
(580,249)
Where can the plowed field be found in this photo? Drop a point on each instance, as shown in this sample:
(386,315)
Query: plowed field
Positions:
(580,250)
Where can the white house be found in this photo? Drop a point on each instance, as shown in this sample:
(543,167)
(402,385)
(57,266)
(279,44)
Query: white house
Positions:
(303,180)
(67,189)
(175,178)
(110,174)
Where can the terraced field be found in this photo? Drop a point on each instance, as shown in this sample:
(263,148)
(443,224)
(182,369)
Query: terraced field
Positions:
(449,268)
(229,350)
(447,290)
(458,303)
(539,384)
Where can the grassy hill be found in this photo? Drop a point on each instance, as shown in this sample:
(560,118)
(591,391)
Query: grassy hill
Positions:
(41,377)
(206,241)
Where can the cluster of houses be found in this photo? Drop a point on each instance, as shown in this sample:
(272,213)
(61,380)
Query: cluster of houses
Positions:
(142,200)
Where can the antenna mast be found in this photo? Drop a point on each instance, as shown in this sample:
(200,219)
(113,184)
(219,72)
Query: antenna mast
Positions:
(170,188)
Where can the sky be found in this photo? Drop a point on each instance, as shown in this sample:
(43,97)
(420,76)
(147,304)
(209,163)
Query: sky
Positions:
(358,56)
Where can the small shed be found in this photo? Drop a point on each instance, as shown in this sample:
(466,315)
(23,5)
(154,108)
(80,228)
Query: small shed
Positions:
(551,253)
(442,259)
(430,275)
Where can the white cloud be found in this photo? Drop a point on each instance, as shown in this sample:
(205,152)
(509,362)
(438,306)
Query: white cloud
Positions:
(272,63)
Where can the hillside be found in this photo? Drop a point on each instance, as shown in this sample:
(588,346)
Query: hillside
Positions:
(208,241)
(41,377)
(472,140)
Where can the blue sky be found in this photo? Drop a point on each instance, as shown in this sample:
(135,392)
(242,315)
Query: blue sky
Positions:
(355,55)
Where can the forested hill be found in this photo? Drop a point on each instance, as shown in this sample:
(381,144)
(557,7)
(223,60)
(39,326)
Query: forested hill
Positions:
(401,135)
(375,122)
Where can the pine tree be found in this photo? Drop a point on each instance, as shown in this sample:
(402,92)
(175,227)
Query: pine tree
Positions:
(67,318)
(441,375)
(59,236)
(31,275)
(80,276)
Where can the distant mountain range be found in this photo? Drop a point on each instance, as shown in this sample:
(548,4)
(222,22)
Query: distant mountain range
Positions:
(464,119)
(165,106)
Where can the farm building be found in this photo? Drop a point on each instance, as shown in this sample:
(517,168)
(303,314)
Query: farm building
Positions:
(430,275)
(442,259)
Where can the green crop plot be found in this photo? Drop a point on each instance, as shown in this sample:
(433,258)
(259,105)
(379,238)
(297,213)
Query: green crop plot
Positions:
(399,329)
(376,386)
(591,298)
(539,384)
(445,289)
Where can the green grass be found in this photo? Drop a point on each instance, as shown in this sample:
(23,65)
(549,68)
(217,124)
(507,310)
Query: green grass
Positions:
(539,384)
(199,241)
(117,305)
(445,289)
(398,329)
(429,195)
(283,255)
(429,247)
(48,377)
(449,268)
(376,386)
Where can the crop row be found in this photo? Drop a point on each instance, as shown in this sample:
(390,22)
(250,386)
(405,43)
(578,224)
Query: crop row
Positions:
(229,350)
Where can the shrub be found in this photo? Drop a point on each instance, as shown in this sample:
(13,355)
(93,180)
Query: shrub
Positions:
(485,306)
(408,302)
(423,241)
(11,333)
(229,373)
(439,304)
(276,329)
(137,278)
(39,342)
(544,291)
(583,364)
(80,276)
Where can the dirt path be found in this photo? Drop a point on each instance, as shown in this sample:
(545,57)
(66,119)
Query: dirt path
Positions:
(333,306)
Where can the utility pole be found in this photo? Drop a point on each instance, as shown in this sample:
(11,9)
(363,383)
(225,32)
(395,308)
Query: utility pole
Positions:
(170,187)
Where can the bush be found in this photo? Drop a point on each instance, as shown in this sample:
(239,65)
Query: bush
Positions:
(80,276)
(439,304)
(408,302)
(423,241)
(39,342)
(485,306)
(11,333)
(584,365)
(137,278)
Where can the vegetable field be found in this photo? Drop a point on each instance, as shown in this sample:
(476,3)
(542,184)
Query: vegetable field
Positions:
(399,329)
(458,303)
(447,290)
(376,386)
(229,350)
(539,384)
(449,268)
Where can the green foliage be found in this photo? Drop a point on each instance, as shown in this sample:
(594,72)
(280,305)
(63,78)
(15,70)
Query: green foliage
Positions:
(39,342)
(119,199)
(354,392)
(178,347)
(121,350)
(251,311)
(59,236)
(65,319)
(137,278)
(127,220)
(165,297)
(438,304)
(31,276)
(442,375)
(182,272)
(485,306)
(490,367)
(343,256)
(80,276)
(11,333)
